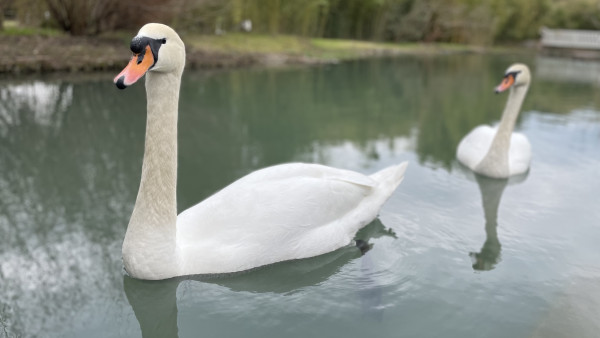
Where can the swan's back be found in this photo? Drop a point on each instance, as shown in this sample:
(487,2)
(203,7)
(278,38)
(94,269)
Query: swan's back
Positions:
(288,211)
(519,155)
(476,144)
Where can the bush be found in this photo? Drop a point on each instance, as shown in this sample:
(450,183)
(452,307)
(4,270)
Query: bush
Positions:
(462,21)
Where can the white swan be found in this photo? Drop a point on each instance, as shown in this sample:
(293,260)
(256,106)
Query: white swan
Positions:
(499,152)
(284,212)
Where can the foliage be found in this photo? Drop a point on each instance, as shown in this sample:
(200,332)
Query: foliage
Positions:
(464,21)
(91,17)
(3,5)
(581,14)
(517,19)
(82,16)
(29,31)
(479,22)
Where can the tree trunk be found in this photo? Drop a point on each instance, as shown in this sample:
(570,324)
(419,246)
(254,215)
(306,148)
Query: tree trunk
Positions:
(2,14)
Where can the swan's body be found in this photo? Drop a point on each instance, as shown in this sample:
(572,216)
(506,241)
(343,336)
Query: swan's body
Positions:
(284,212)
(499,152)
(475,145)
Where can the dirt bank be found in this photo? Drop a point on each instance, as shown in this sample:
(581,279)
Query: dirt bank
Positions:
(41,54)
(26,54)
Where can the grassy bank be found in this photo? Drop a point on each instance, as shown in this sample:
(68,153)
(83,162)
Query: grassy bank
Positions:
(29,51)
(317,50)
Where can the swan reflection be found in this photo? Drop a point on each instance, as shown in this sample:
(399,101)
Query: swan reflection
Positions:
(491,193)
(154,303)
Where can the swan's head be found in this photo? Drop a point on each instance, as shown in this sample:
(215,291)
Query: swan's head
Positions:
(156,48)
(516,75)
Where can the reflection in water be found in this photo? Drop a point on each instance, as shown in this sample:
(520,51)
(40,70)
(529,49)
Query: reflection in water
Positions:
(371,295)
(70,158)
(155,302)
(63,194)
(371,288)
(43,103)
(491,193)
(574,311)
(568,70)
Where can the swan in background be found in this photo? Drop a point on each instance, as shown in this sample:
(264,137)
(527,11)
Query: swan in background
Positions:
(284,212)
(498,152)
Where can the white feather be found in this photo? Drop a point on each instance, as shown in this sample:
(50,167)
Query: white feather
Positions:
(476,144)
(279,213)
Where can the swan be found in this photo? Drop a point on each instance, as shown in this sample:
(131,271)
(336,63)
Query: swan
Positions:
(284,212)
(498,152)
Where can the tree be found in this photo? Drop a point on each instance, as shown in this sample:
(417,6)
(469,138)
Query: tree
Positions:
(91,17)
(4,4)
(80,17)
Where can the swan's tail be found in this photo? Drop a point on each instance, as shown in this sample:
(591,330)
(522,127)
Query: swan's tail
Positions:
(390,177)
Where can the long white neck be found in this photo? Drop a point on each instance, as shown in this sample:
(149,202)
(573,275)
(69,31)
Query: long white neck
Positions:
(495,162)
(149,248)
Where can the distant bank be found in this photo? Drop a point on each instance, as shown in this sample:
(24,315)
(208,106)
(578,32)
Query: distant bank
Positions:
(26,54)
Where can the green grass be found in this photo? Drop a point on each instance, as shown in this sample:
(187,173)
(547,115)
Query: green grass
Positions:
(319,48)
(248,43)
(12,28)
(349,49)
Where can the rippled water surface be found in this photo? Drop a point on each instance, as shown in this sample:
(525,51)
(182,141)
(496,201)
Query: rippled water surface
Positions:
(454,255)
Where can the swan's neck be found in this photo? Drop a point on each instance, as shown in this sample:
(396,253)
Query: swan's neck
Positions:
(149,249)
(495,162)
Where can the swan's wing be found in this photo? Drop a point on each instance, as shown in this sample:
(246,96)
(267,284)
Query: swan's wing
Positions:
(519,155)
(297,170)
(473,147)
(280,206)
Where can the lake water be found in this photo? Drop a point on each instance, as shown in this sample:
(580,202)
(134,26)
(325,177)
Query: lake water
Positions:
(453,255)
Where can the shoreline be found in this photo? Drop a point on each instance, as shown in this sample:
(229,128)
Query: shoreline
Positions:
(38,54)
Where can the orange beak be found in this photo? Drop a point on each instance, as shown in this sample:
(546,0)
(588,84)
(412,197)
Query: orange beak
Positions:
(508,81)
(137,67)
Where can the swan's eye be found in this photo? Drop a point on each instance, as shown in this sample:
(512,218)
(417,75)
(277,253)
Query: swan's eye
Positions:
(513,74)
(139,43)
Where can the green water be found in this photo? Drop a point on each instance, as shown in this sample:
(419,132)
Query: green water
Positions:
(453,255)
